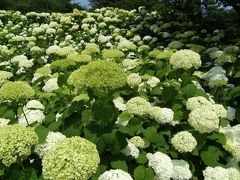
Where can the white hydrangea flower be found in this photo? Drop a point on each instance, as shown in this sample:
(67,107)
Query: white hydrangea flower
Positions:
(51,85)
(35,104)
(52,50)
(131,150)
(161,164)
(119,103)
(215,173)
(52,139)
(129,64)
(116,174)
(181,170)
(126,45)
(32,116)
(231,113)
(134,80)
(185,59)
(204,120)
(138,142)
(138,106)
(214,75)
(219,110)
(22,61)
(232,135)
(197,102)
(184,141)
(234,174)
(161,115)
(153,81)
(4,122)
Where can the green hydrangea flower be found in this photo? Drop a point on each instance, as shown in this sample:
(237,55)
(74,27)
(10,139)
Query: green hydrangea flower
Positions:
(112,54)
(62,65)
(185,59)
(72,158)
(83,58)
(16,143)
(4,75)
(100,76)
(15,91)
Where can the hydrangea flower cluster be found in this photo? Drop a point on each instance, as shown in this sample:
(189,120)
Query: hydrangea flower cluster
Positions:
(115,174)
(204,116)
(134,80)
(165,168)
(15,91)
(138,106)
(4,75)
(71,158)
(184,141)
(185,59)
(96,75)
(16,143)
(51,141)
(33,112)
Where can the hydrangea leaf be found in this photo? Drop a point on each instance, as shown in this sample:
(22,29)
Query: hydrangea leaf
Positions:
(119,165)
(139,173)
(211,156)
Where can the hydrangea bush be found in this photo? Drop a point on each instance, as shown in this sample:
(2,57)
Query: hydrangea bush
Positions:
(117,94)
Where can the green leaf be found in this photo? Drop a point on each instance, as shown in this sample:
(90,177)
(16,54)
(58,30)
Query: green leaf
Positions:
(119,165)
(218,137)
(1,172)
(101,169)
(104,113)
(151,134)
(149,174)
(169,94)
(42,133)
(234,93)
(119,143)
(211,156)
(191,90)
(237,75)
(142,158)
(139,173)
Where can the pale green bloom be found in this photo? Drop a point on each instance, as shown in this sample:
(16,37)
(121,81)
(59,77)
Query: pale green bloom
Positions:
(4,75)
(161,115)
(138,142)
(16,143)
(100,76)
(15,91)
(113,54)
(138,106)
(181,170)
(184,141)
(215,173)
(204,120)
(134,80)
(185,59)
(72,158)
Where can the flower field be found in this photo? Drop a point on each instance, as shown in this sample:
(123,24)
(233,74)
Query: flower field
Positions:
(117,95)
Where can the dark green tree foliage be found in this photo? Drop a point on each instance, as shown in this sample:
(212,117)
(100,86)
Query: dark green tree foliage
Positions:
(38,5)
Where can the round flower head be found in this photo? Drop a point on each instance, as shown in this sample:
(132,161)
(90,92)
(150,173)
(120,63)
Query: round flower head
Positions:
(72,158)
(112,54)
(126,45)
(161,115)
(16,143)
(100,76)
(197,102)
(138,142)
(116,174)
(234,174)
(51,85)
(181,170)
(134,80)
(161,164)
(185,59)
(4,75)
(184,141)
(215,173)
(52,139)
(131,150)
(35,104)
(204,120)
(153,82)
(119,103)
(15,91)
(138,106)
